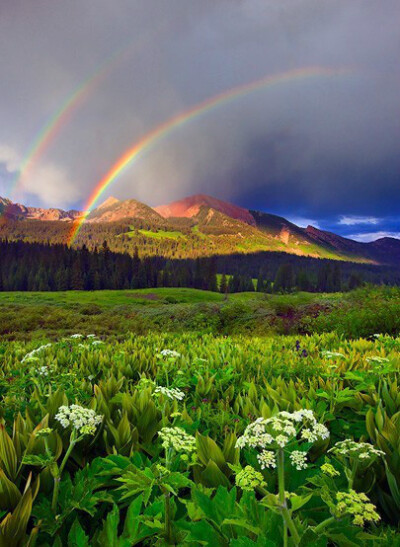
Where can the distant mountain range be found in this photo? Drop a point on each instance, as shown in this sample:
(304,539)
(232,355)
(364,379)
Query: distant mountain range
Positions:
(197,225)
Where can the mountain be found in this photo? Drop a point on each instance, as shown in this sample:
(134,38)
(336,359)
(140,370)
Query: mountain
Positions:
(114,210)
(385,250)
(198,225)
(19,212)
(189,207)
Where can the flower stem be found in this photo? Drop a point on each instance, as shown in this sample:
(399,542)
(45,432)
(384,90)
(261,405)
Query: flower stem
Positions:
(324,524)
(287,519)
(353,475)
(167,502)
(57,478)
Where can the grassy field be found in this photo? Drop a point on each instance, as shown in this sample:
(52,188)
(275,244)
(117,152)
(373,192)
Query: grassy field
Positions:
(162,234)
(116,312)
(360,313)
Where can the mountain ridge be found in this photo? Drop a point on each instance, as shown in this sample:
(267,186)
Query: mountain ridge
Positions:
(207,223)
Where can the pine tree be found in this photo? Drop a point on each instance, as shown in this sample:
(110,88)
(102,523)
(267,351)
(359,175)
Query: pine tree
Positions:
(223,287)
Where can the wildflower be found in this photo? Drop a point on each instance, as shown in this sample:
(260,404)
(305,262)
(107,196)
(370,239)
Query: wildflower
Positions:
(171,392)
(279,430)
(321,431)
(332,354)
(178,439)
(281,440)
(377,359)
(249,479)
(32,354)
(267,459)
(43,371)
(365,452)
(76,336)
(329,470)
(356,505)
(298,459)
(169,353)
(84,420)
(90,336)
(97,342)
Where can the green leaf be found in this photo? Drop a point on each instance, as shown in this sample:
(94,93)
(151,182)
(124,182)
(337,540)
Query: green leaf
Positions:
(77,536)
(203,533)
(213,476)
(394,487)
(136,481)
(297,502)
(218,508)
(241,523)
(8,455)
(177,481)
(39,460)
(9,493)
(109,533)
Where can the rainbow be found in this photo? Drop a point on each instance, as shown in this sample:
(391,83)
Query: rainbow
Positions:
(47,134)
(163,130)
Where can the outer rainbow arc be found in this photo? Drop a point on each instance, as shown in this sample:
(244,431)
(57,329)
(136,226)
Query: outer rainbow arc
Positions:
(52,127)
(166,127)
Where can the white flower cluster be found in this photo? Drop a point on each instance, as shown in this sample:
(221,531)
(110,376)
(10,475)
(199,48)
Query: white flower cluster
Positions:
(178,439)
(356,450)
(171,392)
(44,370)
(33,353)
(267,459)
(76,335)
(377,359)
(279,430)
(84,420)
(169,353)
(332,354)
(298,459)
(318,431)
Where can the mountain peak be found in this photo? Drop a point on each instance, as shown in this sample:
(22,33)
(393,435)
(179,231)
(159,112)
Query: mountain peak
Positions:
(190,206)
(114,210)
(108,202)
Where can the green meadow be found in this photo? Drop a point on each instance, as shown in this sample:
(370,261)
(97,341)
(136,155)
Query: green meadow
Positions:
(187,417)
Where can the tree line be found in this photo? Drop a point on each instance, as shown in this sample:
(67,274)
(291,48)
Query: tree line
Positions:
(48,267)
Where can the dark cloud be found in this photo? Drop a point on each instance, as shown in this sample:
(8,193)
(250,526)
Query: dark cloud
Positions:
(317,148)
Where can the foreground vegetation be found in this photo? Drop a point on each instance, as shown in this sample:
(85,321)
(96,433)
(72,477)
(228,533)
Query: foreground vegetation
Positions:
(149,440)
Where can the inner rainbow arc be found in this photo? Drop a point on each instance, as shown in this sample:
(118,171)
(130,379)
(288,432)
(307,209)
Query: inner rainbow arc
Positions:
(163,130)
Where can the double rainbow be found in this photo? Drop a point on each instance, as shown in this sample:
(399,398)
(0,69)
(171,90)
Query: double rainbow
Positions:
(52,127)
(158,133)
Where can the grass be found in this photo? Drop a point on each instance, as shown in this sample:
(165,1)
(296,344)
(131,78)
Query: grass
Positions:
(110,298)
(162,234)
(361,313)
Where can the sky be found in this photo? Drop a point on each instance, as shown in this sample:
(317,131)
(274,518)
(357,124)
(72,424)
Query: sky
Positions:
(321,151)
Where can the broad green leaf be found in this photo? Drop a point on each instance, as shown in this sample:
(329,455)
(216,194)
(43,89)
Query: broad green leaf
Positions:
(77,536)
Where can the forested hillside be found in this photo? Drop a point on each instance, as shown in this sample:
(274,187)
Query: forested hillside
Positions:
(44,267)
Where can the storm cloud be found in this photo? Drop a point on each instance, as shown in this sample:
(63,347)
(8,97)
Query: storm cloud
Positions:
(325,149)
